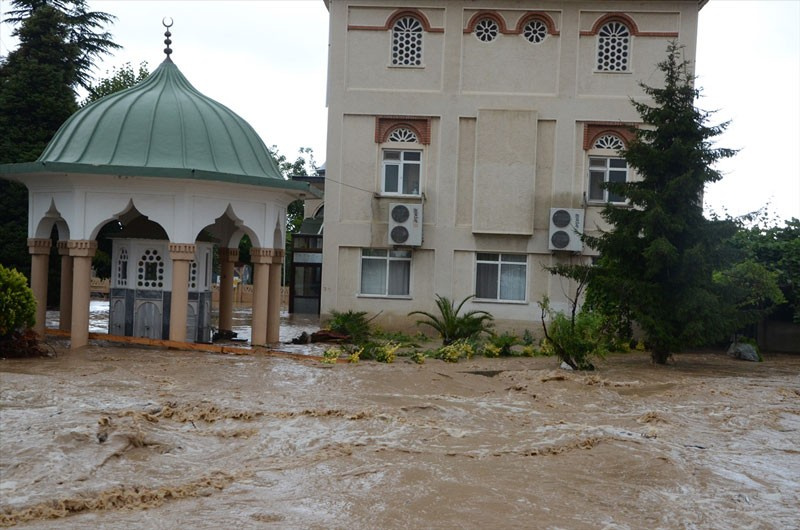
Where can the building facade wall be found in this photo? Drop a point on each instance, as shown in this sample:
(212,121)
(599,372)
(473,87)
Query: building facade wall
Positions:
(501,126)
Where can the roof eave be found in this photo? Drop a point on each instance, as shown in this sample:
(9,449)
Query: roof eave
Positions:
(28,168)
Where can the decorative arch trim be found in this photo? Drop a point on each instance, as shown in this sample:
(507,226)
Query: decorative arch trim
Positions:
(394,17)
(629,22)
(593,131)
(421,126)
(546,19)
(473,21)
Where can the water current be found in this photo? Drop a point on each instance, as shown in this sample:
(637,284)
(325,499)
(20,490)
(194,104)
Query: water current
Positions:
(126,437)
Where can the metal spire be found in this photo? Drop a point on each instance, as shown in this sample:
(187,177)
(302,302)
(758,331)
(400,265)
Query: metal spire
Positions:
(167,34)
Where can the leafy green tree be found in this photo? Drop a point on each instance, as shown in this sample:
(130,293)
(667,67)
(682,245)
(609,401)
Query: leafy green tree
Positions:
(776,248)
(750,292)
(118,79)
(303,166)
(660,254)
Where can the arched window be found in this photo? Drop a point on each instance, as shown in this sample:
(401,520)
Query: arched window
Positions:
(407,42)
(609,141)
(403,134)
(605,165)
(535,31)
(486,30)
(613,47)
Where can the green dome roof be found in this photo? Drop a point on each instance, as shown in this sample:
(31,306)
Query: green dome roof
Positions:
(160,124)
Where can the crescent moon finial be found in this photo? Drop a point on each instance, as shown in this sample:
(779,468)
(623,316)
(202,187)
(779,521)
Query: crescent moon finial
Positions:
(164,21)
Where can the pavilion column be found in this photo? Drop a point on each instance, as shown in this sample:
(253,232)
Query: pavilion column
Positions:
(274,299)
(81,251)
(227,258)
(65,304)
(39,249)
(182,255)
(261,258)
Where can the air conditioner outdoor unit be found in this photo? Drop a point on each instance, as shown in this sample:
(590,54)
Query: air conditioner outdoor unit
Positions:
(566,228)
(405,224)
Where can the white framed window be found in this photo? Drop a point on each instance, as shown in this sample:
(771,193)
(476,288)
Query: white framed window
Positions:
(401,172)
(535,31)
(486,30)
(606,165)
(501,276)
(604,169)
(613,47)
(385,272)
(407,42)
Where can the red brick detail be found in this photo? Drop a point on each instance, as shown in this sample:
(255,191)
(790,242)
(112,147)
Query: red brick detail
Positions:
(538,15)
(421,126)
(400,13)
(628,21)
(593,131)
(486,14)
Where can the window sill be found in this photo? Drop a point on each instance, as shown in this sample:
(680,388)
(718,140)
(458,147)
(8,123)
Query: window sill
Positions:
(407,66)
(496,301)
(384,195)
(613,71)
(600,204)
(385,296)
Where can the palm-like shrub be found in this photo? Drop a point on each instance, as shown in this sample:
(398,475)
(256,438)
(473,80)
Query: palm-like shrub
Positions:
(450,325)
(354,324)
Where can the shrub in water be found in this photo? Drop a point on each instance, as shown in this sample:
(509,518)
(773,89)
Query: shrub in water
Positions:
(386,353)
(503,343)
(331,355)
(355,324)
(17,305)
(575,341)
(454,351)
(490,350)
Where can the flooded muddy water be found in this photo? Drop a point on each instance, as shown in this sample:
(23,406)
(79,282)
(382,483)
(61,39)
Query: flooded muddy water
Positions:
(116,437)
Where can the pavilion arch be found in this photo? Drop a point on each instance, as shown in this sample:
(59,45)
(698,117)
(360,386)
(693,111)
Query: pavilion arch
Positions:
(132,218)
(236,237)
(51,218)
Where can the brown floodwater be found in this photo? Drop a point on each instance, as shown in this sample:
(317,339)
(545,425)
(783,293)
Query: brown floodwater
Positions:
(119,437)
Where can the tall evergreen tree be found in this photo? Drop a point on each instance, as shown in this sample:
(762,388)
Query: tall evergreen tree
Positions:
(657,260)
(84,30)
(58,42)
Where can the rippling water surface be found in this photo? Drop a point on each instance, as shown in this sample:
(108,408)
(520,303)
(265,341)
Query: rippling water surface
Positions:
(118,437)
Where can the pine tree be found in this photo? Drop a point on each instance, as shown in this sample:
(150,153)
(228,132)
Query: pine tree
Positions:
(656,262)
(58,43)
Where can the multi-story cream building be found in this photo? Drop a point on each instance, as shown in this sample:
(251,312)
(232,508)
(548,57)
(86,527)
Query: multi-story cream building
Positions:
(467,142)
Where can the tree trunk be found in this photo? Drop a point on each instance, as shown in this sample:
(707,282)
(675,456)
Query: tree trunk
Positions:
(659,356)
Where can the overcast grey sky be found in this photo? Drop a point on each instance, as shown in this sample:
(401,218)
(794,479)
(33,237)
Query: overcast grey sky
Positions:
(267,60)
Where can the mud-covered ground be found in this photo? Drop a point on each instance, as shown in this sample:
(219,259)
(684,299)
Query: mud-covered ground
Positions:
(115,437)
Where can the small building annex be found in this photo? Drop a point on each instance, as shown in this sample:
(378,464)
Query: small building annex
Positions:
(180,172)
